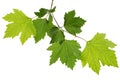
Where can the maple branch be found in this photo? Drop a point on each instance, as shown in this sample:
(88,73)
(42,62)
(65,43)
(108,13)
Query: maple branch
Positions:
(75,36)
(62,26)
(53,15)
(33,17)
(56,21)
(81,38)
(51,4)
(66,31)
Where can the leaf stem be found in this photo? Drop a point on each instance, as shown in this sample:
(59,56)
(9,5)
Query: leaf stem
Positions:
(56,21)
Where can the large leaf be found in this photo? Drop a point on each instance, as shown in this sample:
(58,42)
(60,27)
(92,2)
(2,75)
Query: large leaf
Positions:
(97,51)
(68,52)
(19,23)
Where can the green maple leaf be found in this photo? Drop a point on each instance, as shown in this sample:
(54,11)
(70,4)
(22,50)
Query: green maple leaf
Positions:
(99,51)
(52,10)
(56,34)
(73,24)
(68,52)
(42,27)
(19,23)
(42,12)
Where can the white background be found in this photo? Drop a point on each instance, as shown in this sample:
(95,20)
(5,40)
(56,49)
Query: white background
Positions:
(31,61)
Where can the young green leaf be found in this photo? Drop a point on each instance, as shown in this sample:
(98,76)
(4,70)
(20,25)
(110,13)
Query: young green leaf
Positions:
(56,35)
(42,27)
(52,10)
(68,52)
(19,23)
(99,50)
(73,24)
(42,12)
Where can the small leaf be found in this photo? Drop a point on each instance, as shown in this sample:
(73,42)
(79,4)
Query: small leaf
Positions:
(56,35)
(68,52)
(42,12)
(52,10)
(42,27)
(19,23)
(73,24)
(99,50)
